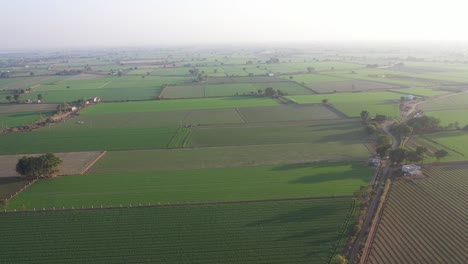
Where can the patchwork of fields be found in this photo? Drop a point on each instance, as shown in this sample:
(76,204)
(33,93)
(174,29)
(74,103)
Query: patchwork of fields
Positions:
(202,166)
(424,219)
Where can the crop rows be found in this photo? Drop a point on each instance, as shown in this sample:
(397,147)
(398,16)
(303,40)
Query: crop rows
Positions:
(180,138)
(308,231)
(424,219)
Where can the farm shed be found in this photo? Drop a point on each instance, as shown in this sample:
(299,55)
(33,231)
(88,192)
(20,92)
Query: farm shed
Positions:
(411,169)
(409,97)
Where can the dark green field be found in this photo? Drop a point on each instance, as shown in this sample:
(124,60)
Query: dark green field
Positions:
(310,231)
(202,185)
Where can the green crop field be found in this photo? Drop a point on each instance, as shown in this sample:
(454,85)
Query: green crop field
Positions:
(455,142)
(21,108)
(172,105)
(213,116)
(382,75)
(201,185)
(287,113)
(50,140)
(456,76)
(21,119)
(344,131)
(310,231)
(424,220)
(419,91)
(231,89)
(459,101)
(349,86)
(232,156)
(451,116)
(386,103)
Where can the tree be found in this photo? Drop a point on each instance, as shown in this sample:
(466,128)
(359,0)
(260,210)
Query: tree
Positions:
(325,101)
(404,130)
(441,153)
(384,140)
(371,129)
(364,115)
(380,118)
(382,151)
(398,155)
(269,92)
(39,97)
(17,97)
(414,156)
(31,74)
(340,259)
(8,97)
(119,73)
(310,69)
(42,166)
(364,194)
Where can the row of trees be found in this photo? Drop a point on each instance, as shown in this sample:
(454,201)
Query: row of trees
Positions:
(400,155)
(17,98)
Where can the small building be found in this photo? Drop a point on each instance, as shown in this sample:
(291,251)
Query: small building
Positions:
(374,162)
(36,101)
(93,100)
(271,75)
(28,101)
(72,109)
(411,169)
(409,97)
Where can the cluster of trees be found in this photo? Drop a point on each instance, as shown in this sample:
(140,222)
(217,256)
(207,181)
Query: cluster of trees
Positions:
(310,69)
(43,166)
(200,76)
(400,155)
(270,92)
(403,130)
(424,123)
(69,72)
(273,60)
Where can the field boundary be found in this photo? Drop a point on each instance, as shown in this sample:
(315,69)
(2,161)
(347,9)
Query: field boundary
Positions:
(336,111)
(149,205)
(437,143)
(352,212)
(93,162)
(22,188)
(242,116)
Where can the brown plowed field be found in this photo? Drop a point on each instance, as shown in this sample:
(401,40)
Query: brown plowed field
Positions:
(425,220)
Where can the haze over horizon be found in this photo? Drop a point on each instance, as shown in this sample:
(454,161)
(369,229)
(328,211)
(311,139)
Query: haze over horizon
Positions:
(100,23)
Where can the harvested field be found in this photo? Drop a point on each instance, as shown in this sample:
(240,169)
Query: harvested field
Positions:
(424,220)
(310,231)
(191,186)
(73,162)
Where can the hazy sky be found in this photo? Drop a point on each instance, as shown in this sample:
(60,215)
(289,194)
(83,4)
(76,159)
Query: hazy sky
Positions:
(85,23)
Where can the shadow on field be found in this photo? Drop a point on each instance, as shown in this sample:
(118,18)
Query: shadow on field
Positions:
(312,213)
(322,177)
